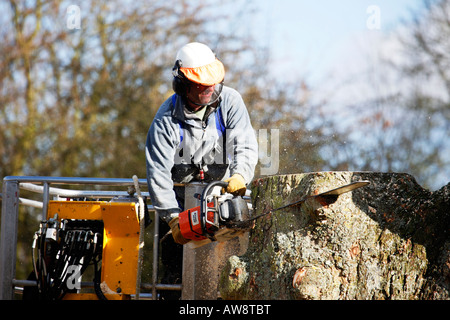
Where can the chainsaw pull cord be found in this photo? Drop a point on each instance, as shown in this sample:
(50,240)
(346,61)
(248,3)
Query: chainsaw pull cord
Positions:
(141,235)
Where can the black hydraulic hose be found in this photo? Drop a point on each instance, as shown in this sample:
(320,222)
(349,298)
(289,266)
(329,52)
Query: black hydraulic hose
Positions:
(52,259)
(41,261)
(97,278)
(88,251)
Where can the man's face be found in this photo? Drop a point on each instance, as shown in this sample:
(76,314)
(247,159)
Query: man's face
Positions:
(200,94)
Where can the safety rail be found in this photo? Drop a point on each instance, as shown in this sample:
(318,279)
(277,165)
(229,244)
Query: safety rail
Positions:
(11,200)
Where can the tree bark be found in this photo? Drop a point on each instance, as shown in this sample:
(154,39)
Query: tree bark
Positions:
(388,240)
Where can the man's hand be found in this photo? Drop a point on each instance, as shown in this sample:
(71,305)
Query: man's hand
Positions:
(176,233)
(236,185)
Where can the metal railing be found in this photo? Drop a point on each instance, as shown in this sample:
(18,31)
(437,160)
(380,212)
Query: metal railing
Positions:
(42,185)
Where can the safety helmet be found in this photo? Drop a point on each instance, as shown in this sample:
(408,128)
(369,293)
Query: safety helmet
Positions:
(196,63)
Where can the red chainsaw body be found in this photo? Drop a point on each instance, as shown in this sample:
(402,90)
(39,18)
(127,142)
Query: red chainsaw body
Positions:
(191,224)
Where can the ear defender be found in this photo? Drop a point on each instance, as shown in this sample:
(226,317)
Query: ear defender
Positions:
(179,82)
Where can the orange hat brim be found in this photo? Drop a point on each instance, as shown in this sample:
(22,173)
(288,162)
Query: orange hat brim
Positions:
(207,75)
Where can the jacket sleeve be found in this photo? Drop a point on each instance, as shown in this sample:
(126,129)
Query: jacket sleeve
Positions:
(159,153)
(241,139)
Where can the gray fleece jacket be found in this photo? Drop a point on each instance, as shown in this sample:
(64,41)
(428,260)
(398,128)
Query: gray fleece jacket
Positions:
(179,144)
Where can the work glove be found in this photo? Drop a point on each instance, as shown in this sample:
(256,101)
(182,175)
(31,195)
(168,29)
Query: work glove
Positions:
(176,233)
(236,185)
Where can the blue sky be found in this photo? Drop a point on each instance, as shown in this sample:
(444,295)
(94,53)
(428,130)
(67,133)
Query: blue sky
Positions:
(310,36)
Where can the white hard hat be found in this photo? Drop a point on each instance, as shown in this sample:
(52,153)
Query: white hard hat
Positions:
(195,54)
(199,64)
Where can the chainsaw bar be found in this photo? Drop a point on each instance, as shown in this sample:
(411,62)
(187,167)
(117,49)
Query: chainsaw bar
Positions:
(332,195)
(344,189)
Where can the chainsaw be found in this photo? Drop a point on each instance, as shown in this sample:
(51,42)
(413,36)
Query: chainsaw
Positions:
(221,217)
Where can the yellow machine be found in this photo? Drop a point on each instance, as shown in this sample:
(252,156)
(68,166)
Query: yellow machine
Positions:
(81,233)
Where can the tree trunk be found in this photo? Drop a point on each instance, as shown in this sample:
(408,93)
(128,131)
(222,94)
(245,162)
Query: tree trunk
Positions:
(388,240)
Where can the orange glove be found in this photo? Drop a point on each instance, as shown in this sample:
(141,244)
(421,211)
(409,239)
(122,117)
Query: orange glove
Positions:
(176,233)
(236,185)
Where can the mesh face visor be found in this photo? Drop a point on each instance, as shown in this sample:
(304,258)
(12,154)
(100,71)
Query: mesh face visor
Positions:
(215,96)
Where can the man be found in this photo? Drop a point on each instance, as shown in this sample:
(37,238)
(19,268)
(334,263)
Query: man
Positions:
(201,133)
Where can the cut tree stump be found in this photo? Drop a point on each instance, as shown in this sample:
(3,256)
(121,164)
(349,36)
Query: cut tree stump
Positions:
(388,240)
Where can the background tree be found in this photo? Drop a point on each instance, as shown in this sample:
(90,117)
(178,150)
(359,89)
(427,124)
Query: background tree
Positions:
(85,96)
(393,110)
(79,102)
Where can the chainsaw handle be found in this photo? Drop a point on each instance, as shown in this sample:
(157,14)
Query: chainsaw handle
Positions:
(213,184)
(203,202)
